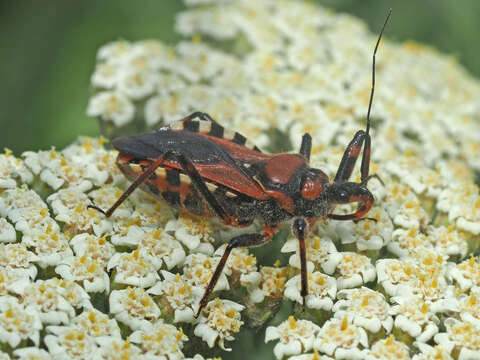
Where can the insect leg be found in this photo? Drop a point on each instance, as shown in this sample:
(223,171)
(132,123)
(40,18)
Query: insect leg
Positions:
(306,147)
(350,157)
(199,183)
(300,229)
(245,240)
(376,177)
(365,166)
(138,181)
(189,168)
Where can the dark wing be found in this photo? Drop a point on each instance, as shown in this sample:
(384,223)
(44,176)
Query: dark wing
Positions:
(237,145)
(241,153)
(215,161)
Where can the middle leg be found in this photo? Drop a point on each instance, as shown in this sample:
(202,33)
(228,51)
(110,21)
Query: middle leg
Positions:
(300,229)
(245,240)
(306,146)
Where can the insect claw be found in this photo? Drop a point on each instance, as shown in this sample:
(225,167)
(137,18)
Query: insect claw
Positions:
(97,208)
(200,308)
(197,314)
(376,177)
(202,304)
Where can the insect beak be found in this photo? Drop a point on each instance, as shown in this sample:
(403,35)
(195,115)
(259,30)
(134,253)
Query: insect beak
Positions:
(349,192)
(362,195)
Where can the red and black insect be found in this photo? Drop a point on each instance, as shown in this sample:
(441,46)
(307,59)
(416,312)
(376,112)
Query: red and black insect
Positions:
(198,166)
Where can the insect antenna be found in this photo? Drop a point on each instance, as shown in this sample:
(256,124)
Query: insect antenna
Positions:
(373,70)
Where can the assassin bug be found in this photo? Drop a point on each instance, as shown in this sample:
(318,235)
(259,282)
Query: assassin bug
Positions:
(198,166)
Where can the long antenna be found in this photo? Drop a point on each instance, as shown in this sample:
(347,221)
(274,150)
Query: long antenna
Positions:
(373,69)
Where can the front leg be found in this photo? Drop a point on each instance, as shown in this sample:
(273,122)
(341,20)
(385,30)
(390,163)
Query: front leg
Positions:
(245,240)
(350,157)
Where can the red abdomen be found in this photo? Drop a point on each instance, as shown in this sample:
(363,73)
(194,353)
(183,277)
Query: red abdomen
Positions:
(166,184)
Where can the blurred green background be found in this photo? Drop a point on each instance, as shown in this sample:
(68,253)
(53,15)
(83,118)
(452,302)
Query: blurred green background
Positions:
(48,52)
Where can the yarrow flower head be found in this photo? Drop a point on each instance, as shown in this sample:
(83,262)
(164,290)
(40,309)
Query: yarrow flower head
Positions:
(354,270)
(219,321)
(117,349)
(18,322)
(160,339)
(321,290)
(194,233)
(467,273)
(97,324)
(367,235)
(49,300)
(113,106)
(295,337)
(69,342)
(461,337)
(241,266)
(161,248)
(321,252)
(7,232)
(270,284)
(415,317)
(87,270)
(17,257)
(133,307)
(199,269)
(388,349)
(13,169)
(341,339)
(469,306)
(179,295)
(133,269)
(366,307)
(94,247)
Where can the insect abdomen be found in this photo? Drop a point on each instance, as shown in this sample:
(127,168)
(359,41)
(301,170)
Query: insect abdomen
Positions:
(176,188)
(166,184)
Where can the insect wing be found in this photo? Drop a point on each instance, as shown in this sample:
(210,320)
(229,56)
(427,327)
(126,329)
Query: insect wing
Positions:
(234,143)
(212,161)
(241,153)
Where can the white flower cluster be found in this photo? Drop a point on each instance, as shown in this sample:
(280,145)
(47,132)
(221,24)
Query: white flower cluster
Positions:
(74,284)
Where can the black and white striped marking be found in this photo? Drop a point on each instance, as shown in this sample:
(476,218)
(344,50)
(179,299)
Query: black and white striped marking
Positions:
(214,130)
